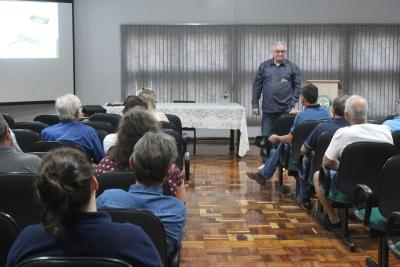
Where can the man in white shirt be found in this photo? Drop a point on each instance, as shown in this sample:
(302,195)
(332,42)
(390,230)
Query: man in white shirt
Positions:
(356,110)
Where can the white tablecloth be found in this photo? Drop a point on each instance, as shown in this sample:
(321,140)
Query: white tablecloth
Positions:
(207,116)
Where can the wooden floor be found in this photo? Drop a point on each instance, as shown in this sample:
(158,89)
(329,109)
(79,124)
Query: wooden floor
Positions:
(233,221)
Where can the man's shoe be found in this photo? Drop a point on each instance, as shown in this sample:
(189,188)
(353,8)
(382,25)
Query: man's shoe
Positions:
(256,176)
(325,222)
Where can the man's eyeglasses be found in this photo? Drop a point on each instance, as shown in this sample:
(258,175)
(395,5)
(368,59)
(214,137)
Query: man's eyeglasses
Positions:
(280,51)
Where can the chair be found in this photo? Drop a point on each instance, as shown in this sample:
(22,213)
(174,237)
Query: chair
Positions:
(357,166)
(26,138)
(47,146)
(283,124)
(89,110)
(17,198)
(36,126)
(178,128)
(73,262)
(183,159)
(10,120)
(289,157)
(115,179)
(374,206)
(192,129)
(8,232)
(396,141)
(150,224)
(100,125)
(101,134)
(49,119)
(113,119)
(392,233)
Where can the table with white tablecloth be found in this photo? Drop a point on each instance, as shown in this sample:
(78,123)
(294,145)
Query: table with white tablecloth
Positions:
(230,116)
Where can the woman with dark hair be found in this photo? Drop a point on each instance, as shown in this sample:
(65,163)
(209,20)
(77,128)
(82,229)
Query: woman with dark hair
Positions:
(71,224)
(132,127)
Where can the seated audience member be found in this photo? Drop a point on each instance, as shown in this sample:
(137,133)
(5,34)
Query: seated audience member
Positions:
(150,96)
(151,159)
(356,110)
(394,124)
(68,108)
(312,111)
(71,225)
(12,159)
(132,127)
(338,121)
(129,103)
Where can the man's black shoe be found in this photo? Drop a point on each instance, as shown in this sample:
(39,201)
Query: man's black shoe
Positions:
(325,222)
(256,176)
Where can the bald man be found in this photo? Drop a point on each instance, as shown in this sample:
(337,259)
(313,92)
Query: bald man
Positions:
(355,112)
(279,81)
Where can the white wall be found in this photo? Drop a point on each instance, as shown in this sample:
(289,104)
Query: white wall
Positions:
(97,27)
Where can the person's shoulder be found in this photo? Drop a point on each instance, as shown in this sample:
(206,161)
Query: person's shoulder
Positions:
(32,232)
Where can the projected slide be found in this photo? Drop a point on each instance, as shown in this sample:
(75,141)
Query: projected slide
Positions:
(28,29)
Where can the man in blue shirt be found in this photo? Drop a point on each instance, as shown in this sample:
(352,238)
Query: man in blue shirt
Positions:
(338,121)
(312,111)
(151,159)
(279,81)
(394,124)
(68,108)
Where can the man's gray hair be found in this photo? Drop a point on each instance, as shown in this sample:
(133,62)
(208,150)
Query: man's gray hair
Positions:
(153,154)
(67,107)
(357,108)
(278,43)
(3,128)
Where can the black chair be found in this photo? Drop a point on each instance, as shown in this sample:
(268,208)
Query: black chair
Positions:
(313,162)
(113,119)
(392,233)
(396,141)
(18,199)
(47,146)
(150,224)
(36,126)
(283,124)
(183,159)
(89,110)
(8,232)
(101,134)
(100,125)
(289,157)
(49,119)
(360,163)
(115,179)
(192,129)
(178,128)
(26,138)
(374,206)
(10,120)
(73,262)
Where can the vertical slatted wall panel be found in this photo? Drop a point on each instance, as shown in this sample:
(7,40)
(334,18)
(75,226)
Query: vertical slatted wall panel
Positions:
(187,62)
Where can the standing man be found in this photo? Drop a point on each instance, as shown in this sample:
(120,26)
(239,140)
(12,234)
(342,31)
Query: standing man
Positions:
(279,81)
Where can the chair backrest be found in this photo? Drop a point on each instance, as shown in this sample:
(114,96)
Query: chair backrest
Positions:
(49,119)
(361,163)
(179,146)
(73,262)
(36,126)
(115,180)
(150,224)
(10,120)
(320,147)
(300,134)
(114,119)
(396,141)
(26,138)
(101,135)
(100,125)
(89,110)
(283,124)
(388,195)
(8,232)
(45,146)
(176,121)
(18,199)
